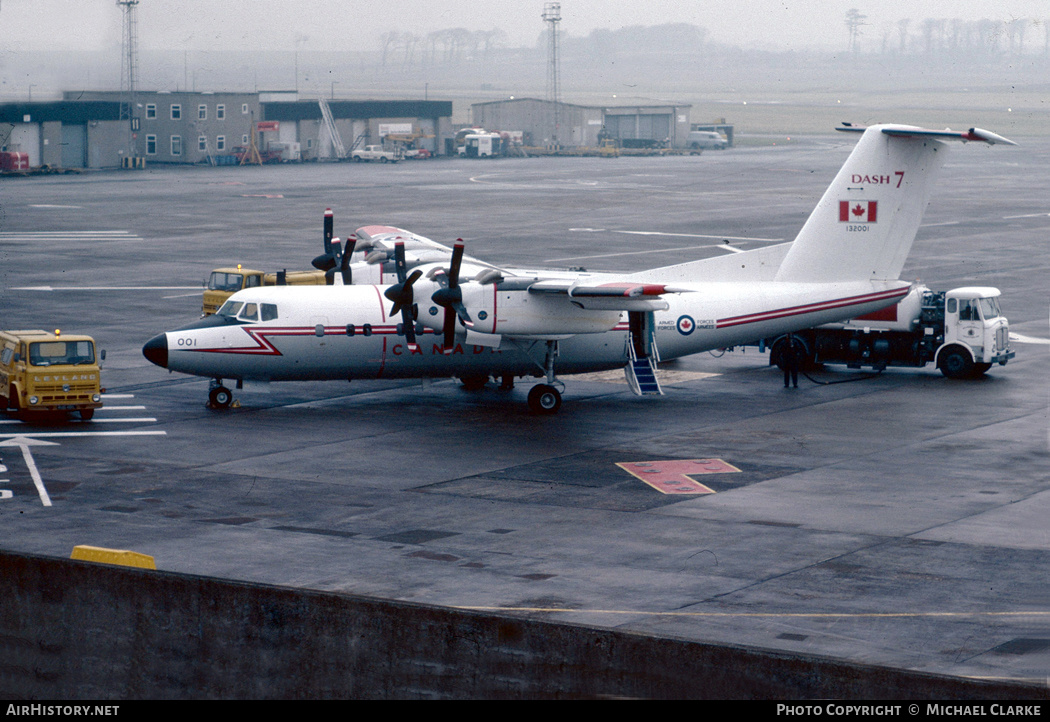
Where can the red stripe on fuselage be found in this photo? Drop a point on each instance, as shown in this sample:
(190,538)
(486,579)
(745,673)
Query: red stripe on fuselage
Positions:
(812,308)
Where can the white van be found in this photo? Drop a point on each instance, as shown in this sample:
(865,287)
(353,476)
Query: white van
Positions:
(706,140)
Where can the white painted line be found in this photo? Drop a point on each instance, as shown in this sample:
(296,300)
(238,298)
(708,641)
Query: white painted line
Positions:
(699,235)
(53,434)
(96,421)
(106,288)
(24,442)
(1027,215)
(142,420)
(121,408)
(637,253)
(118,396)
(1028,339)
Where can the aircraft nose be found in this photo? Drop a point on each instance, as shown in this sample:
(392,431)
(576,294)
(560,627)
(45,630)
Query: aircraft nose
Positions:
(156,350)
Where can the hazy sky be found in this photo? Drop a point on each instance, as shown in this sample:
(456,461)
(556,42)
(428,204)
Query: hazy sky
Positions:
(341,24)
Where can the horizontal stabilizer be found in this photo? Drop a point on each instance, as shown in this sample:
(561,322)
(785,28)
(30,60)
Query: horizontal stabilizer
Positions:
(904,131)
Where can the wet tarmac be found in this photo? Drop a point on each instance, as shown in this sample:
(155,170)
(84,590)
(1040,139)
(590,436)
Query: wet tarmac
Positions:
(896,520)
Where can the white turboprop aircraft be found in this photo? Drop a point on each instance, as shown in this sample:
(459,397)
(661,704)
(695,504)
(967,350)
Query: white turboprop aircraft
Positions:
(452,316)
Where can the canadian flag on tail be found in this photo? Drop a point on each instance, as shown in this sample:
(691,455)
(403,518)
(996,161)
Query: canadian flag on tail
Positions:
(858,211)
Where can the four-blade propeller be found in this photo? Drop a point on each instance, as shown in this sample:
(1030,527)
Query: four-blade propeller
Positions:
(401,294)
(450,297)
(334,256)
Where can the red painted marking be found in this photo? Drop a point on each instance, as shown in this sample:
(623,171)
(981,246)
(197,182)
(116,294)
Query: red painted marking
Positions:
(672,476)
(883,314)
(813,307)
(858,211)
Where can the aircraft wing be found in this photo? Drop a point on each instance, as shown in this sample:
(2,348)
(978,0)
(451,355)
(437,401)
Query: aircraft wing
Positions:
(381,240)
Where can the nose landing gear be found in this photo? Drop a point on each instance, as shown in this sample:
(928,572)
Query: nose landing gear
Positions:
(219,397)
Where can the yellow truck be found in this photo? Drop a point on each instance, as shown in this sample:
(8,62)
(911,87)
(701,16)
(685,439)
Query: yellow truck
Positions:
(49,373)
(224,282)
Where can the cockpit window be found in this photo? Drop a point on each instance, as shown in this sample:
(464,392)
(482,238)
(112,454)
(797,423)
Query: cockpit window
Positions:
(220,281)
(269,311)
(230,308)
(250,312)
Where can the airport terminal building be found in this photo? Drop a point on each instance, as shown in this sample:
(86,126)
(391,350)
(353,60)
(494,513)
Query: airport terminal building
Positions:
(85,129)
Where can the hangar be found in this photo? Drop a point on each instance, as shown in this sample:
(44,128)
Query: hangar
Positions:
(64,134)
(542,121)
(84,130)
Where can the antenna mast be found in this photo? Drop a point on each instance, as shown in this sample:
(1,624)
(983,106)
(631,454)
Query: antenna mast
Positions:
(552,16)
(128,69)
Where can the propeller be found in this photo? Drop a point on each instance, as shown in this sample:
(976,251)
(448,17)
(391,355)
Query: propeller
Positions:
(401,295)
(327,260)
(450,297)
(343,259)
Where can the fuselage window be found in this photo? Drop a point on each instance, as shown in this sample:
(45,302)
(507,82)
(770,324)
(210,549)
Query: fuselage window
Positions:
(269,312)
(351,329)
(367,329)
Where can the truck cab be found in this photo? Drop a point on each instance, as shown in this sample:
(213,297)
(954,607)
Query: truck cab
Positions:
(224,282)
(43,372)
(976,334)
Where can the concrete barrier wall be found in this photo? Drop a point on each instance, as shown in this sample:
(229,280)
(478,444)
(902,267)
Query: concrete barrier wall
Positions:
(76,630)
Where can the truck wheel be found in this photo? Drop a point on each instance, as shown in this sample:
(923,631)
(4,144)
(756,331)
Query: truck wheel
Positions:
(87,414)
(956,364)
(358,159)
(384,159)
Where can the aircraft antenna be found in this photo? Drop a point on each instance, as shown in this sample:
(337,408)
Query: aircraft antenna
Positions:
(552,16)
(128,69)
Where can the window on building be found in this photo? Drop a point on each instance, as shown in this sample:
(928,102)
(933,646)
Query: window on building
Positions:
(176,145)
(151,110)
(220,112)
(202,143)
(244,139)
(220,142)
(202,112)
(151,145)
(176,111)
(244,109)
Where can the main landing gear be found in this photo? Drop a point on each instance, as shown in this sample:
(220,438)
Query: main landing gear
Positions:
(546,398)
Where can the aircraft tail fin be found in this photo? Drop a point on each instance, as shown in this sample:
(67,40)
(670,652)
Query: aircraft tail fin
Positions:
(864,226)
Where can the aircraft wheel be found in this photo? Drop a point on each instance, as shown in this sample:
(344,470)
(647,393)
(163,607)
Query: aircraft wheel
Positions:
(87,414)
(220,397)
(544,399)
(956,364)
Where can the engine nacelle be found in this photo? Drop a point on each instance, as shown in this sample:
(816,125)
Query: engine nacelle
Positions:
(518,313)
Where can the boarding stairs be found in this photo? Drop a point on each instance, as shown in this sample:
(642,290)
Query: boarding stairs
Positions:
(643,356)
